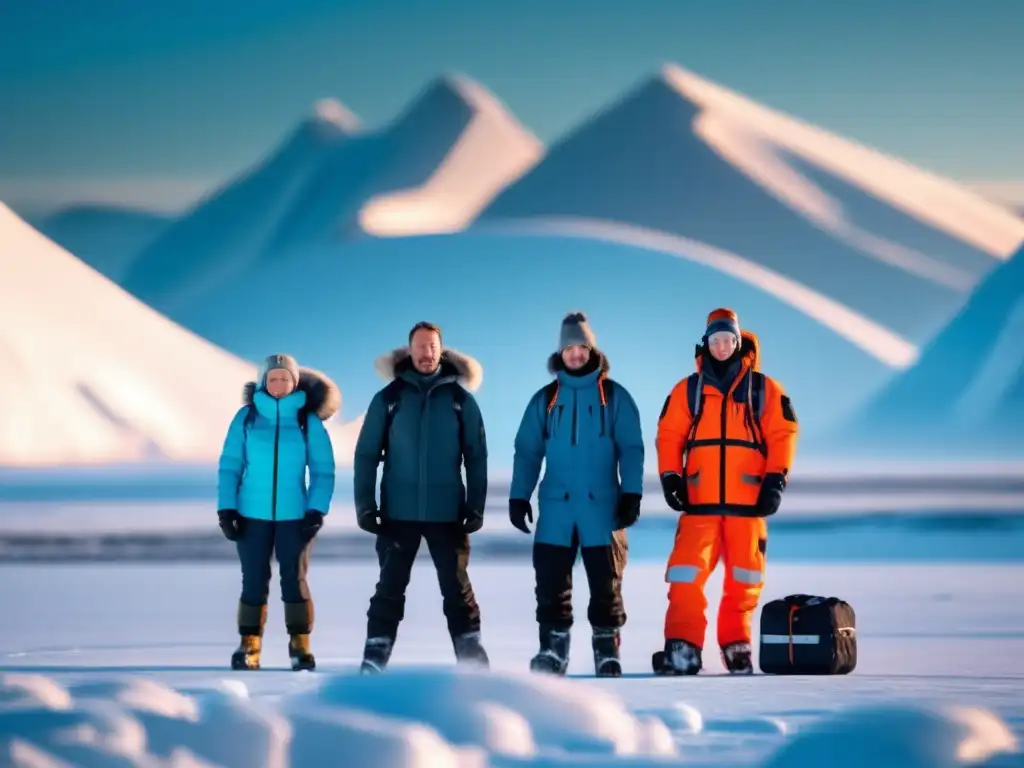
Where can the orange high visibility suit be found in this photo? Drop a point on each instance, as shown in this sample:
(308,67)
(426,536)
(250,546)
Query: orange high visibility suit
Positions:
(723,454)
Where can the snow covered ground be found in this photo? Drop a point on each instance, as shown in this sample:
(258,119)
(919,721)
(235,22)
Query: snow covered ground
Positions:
(939,680)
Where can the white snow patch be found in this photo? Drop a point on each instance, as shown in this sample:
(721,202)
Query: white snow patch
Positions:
(874,338)
(945,205)
(680,717)
(907,736)
(20,690)
(492,151)
(96,376)
(448,718)
(337,114)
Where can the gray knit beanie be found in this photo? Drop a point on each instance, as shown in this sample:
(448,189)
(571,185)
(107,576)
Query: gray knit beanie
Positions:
(576,330)
(275,362)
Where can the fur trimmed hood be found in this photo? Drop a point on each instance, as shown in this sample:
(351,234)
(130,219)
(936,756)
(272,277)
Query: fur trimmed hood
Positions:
(323,396)
(555,363)
(467,370)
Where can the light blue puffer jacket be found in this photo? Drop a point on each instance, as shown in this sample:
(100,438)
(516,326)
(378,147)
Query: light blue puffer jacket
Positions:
(262,470)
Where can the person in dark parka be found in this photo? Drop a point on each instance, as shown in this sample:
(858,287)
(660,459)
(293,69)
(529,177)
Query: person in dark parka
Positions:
(423,426)
(586,429)
(264,503)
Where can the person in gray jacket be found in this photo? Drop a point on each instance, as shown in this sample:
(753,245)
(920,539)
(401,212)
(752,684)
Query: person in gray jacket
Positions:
(423,426)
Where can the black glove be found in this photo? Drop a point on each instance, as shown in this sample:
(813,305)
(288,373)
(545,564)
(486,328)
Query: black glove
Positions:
(770,496)
(370,520)
(674,488)
(230,523)
(311,524)
(628,511)
(472,520)
(519,511)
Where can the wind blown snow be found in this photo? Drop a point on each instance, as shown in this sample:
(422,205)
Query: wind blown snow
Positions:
(99,377)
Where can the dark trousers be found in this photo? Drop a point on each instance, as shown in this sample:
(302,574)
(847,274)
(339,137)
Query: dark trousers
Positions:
(263,539)
(552,566)
(396,552)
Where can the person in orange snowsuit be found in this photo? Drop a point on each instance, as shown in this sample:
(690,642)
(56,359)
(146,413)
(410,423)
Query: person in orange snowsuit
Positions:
(726,440)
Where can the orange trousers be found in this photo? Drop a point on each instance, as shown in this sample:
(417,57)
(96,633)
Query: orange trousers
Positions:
(701,541)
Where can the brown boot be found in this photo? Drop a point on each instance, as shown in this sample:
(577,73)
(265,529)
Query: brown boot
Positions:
(298,618)
(251,620)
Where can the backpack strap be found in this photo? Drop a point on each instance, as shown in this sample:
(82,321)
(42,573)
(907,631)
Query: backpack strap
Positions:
(549,397)
(757,395)
(392,397)
(755,408)
(606,389)
(250,418)
(695,401)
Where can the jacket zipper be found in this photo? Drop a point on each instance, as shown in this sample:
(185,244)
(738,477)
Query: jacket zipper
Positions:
(277,438)
(276,441)
(722,450)
(422,500)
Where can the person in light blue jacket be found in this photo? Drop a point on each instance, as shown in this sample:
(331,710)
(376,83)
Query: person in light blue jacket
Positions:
(264,503)
(586,428)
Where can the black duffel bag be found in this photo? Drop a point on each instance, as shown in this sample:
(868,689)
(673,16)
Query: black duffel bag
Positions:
(808,635)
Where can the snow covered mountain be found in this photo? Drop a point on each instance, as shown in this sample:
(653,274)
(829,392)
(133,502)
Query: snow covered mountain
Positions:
(682,156)
(966,393)
(94,376)
(105,237)
(489,150)
(431,170)
(226,232)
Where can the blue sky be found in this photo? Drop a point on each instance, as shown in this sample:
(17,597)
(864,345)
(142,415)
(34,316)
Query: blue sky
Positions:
(153,101)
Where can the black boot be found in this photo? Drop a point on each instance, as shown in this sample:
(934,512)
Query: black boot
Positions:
(298,619)
(606,652)
(737,658)
(376,654)
(469,650)
(251,620)
(553,657)
(678,658)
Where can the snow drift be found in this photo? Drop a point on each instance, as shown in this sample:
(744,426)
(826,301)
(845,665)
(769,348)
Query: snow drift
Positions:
(94,376)
(395,721)
(431,170)
(966,394)
(684,156)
